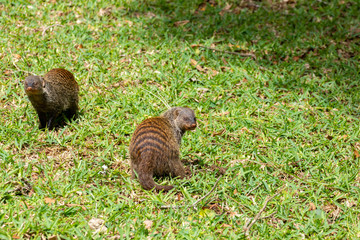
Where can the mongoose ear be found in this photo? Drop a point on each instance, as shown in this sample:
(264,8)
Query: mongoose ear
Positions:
(42,82)
(176,113)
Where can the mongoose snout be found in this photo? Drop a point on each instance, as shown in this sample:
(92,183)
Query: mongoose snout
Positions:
(33,84)
(191,126)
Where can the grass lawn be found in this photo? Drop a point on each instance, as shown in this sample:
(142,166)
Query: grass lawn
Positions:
(275,86)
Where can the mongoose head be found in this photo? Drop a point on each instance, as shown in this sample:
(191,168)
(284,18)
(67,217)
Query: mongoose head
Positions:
(34,85)
(183,118)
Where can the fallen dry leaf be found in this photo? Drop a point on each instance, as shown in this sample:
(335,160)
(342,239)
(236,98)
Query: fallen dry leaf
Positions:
(196,45)
(312,206)
(329,137)
(221,132)
(224,113)
(79,46)
(97,225)
(129,23)
(333,211)
(225,225)
(49,200)
(104,12)
(356,153)
(196,65)
(224,61)
(234,214)
(343,137)
(193,62)
(329,208)
(54,237)
(296,58)
(224,69)
(214,72)
(225,9)
(201,7)
(17,56)
(148,224)
(181,23)
(350,203)
(244,129)
(76,205)
(150,14)
(202,90)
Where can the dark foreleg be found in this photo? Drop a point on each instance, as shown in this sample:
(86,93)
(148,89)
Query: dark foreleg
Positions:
(43,119)
(51,121)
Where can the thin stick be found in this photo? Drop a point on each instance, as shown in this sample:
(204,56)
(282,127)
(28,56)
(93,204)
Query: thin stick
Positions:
(19,70)
(194,204)
(257,217)
(336,215)
(254,189)
(169,206)
(90,73)
(160,98)
(228,52)
(269,216)
(47,28)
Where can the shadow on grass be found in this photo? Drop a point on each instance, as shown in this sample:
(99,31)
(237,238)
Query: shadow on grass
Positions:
(312,46)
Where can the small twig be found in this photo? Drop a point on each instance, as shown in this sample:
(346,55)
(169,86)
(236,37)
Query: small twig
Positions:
(238,203)
(170,206)
(228,52)
(158,97)
(261,163)
(269,216)
(254,189)
(194,204)
(89,73)
(336,215)
(257,217)
(20,70)
(48,27)
(197,201)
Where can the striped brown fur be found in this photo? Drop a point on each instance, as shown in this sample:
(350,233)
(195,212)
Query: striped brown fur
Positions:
(53,94)
(155,147)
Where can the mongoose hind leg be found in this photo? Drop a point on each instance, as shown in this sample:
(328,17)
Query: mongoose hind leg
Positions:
(145,173)
(71,113)
(146,180)
(178,170)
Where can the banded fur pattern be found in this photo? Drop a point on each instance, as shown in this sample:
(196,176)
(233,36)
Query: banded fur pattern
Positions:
(155,146)
(154,152)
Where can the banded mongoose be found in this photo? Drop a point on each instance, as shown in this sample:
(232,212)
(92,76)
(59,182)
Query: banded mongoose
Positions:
(155,147)
(53,94)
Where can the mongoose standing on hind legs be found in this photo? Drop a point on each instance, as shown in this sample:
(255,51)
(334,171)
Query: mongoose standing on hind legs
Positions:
(53,94)
(155,146)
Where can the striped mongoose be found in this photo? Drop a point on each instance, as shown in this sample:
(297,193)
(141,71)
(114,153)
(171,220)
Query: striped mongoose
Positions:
(53,94)
(155,147)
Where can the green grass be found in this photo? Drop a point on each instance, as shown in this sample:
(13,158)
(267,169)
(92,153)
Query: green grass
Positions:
(286,122)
